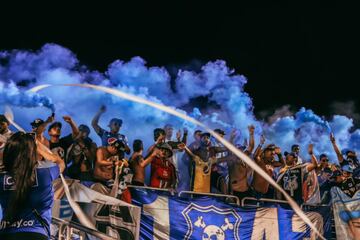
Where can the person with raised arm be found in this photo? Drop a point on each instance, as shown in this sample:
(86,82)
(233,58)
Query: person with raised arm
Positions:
(266,160)
(300,180)
(115,125)
(138,163)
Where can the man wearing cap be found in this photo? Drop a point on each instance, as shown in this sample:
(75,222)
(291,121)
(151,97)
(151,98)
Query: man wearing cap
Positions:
(58,144)
(114,125)
(107,157)
(38,127)
(110,161)
(266,160)
(81,155)
(300,180)
(203,158)
(163,172)
(346,182)
(5,134)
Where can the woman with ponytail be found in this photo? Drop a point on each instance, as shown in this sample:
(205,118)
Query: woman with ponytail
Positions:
(26,194)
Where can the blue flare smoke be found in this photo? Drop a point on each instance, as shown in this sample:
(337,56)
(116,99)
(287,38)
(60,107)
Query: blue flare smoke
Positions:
(230,107)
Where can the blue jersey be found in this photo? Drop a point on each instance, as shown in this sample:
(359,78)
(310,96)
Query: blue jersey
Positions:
(40,198)
(105,135)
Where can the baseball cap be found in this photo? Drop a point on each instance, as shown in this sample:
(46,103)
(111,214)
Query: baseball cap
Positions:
(37,122)
(55,124)
(205,134)
(219,131)
(167,147)
(270,147)
(116,120)
(84,128)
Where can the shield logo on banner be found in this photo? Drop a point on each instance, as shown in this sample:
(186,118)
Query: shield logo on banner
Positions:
(211,222)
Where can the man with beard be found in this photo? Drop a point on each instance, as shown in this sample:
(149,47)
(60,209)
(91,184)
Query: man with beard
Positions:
(5,134)
(81,156)
(266,161)
(59,144)
(204,157)
(300,180)
(115,125)
(109,162)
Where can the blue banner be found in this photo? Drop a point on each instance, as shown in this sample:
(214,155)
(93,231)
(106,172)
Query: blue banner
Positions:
(170,217)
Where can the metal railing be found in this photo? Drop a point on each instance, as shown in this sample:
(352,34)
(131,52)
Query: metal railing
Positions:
(304,205)
(261,200)
(218,195)
(168,190)
(68,229)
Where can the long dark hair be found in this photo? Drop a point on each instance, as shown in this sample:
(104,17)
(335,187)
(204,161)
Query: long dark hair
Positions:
(20,162)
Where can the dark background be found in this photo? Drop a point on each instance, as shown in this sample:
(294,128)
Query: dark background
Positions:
(297,55)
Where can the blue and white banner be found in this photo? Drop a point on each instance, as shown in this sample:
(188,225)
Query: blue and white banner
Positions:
(109,215)
(169,217)
(346,214)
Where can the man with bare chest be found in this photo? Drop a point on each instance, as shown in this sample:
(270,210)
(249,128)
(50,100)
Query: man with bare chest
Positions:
(107,158)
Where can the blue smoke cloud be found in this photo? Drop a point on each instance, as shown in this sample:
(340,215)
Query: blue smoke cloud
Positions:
(231,107)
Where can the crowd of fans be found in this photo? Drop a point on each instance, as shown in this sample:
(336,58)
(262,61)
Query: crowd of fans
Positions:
(212,168)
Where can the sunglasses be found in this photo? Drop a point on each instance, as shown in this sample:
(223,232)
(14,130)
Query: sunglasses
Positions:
(325,160)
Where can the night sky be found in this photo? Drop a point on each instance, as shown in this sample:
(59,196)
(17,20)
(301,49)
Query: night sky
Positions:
(297,55)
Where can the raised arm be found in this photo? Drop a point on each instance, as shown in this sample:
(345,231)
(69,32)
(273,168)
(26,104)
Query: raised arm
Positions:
(251,139)
(41,129)
(95,120)
(74,128)
(185,135)
(258,148)
(336,148)
(144,162)
(159,140)
(232,136)
(314,163)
